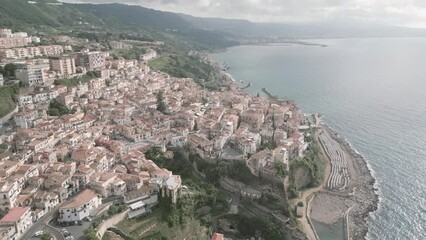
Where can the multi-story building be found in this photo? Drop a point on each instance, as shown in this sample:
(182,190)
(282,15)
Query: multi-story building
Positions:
(30,52)
(32,74)
(17,220)
(91,60)
(79,207)
(11,40)
(8,193)
(65,65)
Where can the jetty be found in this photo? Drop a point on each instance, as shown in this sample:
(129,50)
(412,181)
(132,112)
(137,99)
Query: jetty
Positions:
(266,91)
(247,86)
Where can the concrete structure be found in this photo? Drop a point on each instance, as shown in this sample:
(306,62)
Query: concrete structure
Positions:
(32,74)
(150,54)
(91,60)
(9,191)
(79,207)
(65,65)
(218,236)
(31,52)
(171,186)
(17,220)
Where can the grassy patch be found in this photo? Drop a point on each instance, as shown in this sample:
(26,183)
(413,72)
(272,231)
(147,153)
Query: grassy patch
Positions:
(185,66)
(72,82)
(7,104)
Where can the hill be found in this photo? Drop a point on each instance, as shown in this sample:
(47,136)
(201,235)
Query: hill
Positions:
(21,14)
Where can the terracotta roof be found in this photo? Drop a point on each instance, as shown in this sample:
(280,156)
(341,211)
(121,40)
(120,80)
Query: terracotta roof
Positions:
(82,198)
(15,214)
(217,236)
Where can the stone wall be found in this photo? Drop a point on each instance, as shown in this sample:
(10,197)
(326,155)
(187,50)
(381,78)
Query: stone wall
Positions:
(110,222)
(8,116)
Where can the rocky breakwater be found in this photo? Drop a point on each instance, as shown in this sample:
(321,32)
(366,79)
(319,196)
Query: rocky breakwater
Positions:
(364,193)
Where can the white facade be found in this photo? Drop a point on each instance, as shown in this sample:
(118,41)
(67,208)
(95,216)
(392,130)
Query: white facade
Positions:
(8,193)
(32,75)
(79,207)
(19,218)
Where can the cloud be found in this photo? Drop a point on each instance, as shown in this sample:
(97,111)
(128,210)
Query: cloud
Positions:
(389,12)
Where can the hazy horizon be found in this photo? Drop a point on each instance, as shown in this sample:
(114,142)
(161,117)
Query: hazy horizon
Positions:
(405,13)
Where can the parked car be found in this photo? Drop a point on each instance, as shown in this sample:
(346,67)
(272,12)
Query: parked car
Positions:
(38,234)
(69,238)
(65,232)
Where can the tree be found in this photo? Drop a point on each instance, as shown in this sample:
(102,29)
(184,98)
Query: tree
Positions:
(161,105)
(90,234)
(57,109)
(45,236)
(9,70)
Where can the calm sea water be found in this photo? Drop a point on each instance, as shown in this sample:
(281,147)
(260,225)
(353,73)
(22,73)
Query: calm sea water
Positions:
(373,92)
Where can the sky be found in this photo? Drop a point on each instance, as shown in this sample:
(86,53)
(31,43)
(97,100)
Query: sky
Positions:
(407,13)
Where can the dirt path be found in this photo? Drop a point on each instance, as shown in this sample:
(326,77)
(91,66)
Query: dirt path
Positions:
(308,195)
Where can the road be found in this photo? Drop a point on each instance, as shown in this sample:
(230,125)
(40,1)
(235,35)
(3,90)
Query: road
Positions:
(39,225)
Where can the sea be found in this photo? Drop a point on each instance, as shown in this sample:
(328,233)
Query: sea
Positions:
(372,91)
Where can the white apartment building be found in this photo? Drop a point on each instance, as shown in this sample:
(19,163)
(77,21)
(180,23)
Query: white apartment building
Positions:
(65,65)
(17,220)
(79,207)
(9,191)
(91,60)
(32,74)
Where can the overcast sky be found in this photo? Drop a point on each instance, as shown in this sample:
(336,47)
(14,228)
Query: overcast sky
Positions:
(410,13)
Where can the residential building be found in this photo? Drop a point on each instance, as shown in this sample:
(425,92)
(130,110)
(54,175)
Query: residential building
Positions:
(91,60)
(9,191)
(32,74)
(65,65)
(19,218)
(79,207)
(150,54)
(120,45)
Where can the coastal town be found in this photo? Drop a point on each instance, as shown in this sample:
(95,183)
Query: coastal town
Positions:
(76,141)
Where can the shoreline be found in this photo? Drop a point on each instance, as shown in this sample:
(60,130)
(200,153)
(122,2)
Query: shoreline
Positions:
(364,194)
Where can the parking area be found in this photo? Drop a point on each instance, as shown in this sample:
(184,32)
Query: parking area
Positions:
(77,231)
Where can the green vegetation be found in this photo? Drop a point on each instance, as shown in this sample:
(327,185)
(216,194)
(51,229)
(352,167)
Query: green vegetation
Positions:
(161,105)
(7,104)
(253,226)
(45,236)
(133,53)
(57,109)
(90,234)
(236,170)
(3,148)
(8,70)
(204,193)
(19,14)
(313,162)
(185,66)
(72,82)
(166,221)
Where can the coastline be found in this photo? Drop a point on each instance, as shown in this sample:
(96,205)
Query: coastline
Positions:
(362,200)
(364,194)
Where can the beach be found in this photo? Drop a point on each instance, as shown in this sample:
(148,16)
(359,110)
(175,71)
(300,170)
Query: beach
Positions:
(329,207)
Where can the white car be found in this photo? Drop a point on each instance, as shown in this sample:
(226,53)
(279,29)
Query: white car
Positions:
(38,234)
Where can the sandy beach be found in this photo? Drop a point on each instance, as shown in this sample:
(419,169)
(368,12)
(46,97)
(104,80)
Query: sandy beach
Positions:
(329,206)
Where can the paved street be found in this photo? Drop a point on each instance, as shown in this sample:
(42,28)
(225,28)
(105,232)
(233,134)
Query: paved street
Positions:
(37,226)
